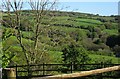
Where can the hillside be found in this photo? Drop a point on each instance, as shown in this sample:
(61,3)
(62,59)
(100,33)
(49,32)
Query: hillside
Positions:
(60,29)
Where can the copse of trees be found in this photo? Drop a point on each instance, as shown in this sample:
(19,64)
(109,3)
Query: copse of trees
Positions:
(73,54)
(114,43)
(113,40)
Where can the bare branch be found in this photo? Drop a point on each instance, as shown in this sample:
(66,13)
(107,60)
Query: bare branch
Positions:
(11,5)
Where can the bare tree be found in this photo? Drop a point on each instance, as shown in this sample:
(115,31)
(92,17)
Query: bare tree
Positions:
(42,9)
(16,7)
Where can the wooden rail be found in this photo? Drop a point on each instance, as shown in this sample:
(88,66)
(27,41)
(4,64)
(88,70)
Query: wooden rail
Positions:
(43,70)
(81,74)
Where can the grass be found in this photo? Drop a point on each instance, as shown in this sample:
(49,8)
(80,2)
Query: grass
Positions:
(111,32)
(101,57)
(56,56)
(61,17)
(69,29)
(76,21)
(92,21)
(12,41)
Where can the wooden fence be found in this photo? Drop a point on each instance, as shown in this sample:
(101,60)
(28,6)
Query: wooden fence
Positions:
(41,70)
(82,74)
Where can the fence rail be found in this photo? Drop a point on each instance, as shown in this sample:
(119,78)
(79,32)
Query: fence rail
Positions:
(40,70)
(84,73)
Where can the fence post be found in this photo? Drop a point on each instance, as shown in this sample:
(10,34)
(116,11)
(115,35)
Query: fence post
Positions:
(43,69)
(101,66)
(10,73)
(16,70)
(71,67)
